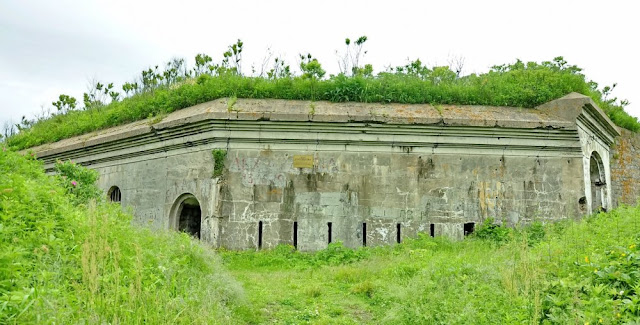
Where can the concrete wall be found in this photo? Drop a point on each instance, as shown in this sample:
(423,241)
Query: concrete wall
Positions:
(625,169)
(384,189)
(381,189)
(152,185)
(351,164)
(590,144)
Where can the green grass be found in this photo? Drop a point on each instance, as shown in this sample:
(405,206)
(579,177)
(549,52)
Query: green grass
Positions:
(65,262)
(517,85)
(542,274)
(66,259)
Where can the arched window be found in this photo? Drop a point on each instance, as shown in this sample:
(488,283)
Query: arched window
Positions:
(114,194)
(598,184)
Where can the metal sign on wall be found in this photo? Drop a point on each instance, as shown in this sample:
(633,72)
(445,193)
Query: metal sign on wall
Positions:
(302,161)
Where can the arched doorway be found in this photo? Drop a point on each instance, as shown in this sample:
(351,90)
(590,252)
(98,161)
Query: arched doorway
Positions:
(187,215)
(598,184)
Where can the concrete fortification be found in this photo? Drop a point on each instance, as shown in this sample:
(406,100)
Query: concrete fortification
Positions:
(310,173)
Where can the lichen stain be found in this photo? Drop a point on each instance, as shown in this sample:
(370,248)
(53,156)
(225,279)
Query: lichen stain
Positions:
(226,208)
(288,200)
(312,181)
(446,168)
(628,188)
(426,168)
(486,198)
(266,152)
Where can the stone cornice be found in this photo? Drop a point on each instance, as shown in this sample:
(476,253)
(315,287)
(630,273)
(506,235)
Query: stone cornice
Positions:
(362,135)
(577,107)
(318,112)
(359,126)
(599,123)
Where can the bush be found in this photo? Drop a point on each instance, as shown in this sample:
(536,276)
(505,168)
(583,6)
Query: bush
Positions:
(535,233)
(78,181)
(488,230)
(337,254)
(218,157)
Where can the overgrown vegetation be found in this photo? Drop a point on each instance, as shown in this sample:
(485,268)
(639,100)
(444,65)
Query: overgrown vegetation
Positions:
(68,257)
(160,91)
(564,273)
(218,159)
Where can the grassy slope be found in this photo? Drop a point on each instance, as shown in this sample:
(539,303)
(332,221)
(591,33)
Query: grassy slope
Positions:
(66,263)
(568,277)
(518,86)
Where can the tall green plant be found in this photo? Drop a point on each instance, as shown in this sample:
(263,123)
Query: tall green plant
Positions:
(65,262)
(78,181)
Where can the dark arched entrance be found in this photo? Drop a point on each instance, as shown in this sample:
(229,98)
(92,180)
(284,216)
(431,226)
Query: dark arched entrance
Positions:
(596,171)
(188,215)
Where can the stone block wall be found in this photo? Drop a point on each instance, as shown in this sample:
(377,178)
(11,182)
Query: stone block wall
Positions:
(362,170)
(151,186)
(625,169)
(384,189)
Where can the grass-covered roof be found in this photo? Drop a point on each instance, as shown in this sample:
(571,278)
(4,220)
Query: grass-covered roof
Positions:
(159,92)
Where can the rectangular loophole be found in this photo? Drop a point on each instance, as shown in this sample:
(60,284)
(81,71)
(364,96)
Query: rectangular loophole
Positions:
(295,234)
(469,227)
(432,230)
(329,224)
(398,235)
(260,235)
(364,234)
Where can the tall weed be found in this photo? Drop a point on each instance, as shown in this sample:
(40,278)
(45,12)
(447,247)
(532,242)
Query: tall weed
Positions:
(66,257)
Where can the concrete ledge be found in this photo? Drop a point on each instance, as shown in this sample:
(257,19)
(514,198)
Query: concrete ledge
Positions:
(571,106)
(276,110)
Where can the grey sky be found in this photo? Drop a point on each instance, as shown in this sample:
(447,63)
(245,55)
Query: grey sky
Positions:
(53,47)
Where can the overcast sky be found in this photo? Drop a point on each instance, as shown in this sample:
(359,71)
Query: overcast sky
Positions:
(53,47)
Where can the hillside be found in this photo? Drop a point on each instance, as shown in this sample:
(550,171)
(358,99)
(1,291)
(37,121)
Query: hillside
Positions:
(64,259)
(158,92)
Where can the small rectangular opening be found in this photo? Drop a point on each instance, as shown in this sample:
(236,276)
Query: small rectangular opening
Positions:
(295,234)
(398,237)
(364,234)
(432,230)
(329,226)
(260,235)
(469,227)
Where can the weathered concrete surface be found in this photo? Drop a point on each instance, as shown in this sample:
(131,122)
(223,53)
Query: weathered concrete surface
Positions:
(419,167)
(625,169)
(306,111)
(151,187)
(597,134)
(383,189)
